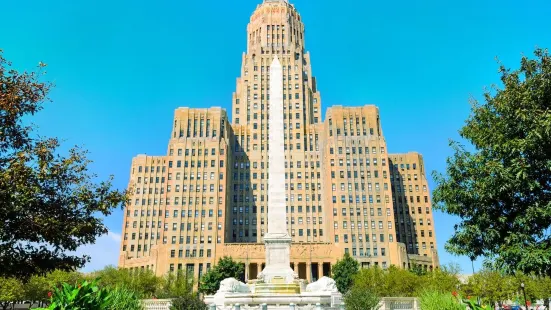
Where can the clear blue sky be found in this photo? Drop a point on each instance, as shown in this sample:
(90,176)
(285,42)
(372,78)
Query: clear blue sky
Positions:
(122,67)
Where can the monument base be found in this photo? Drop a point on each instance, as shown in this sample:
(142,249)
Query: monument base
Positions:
(278,264)
(304,301)
(277,288)
(322,294)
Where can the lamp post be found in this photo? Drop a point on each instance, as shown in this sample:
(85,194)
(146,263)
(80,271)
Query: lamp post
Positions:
(524,293)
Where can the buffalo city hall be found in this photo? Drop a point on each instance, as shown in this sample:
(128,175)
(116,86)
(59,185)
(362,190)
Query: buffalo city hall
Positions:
(207,197)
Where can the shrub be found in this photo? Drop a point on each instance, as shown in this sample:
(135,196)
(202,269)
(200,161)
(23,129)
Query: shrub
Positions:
(188,302)
(344,272)
(434,300)
(359,299)
(226,268)
(122,298)
(86,296)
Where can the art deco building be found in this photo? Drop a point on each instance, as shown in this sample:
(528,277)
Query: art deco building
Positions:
(207,197)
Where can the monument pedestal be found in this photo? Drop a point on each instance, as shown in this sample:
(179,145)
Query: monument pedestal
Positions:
(278,263)
(304,301)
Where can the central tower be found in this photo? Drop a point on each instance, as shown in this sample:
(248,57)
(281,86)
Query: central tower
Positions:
(275,30)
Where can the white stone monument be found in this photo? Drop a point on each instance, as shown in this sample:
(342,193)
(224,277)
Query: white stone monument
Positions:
(277,240)
(277,285)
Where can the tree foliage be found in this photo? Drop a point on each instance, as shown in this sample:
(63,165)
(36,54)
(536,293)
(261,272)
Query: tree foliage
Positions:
(501,190)
(495,286)
(226,268)
(11,290)
(178,284)
(435,300)
(144,282)
(343,272)
(359,299)
(397,282)
(49,204)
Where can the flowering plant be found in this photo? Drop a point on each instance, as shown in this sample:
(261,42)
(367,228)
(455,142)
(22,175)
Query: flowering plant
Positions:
(475,306)
(85,296)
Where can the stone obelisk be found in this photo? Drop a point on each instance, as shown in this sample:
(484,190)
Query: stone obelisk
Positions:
(277,240)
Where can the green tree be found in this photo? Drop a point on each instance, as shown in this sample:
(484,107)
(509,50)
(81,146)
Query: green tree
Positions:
(176,285)
(144,282)
(359,299)
(371,279)
(392,282)
(37,286)
(398,282)
(50,203)
(443,280)
(501,188)
(343,272)
(36,289)
(226,268)
(57,277)
(490,286)
(11,290)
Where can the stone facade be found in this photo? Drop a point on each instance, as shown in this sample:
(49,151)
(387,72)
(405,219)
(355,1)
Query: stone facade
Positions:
(208,197)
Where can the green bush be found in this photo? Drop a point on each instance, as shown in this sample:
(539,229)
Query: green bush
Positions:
(85,296)
(122,298)
(360,299)
(188,302)
(226,268)
(88,296)
(434,300)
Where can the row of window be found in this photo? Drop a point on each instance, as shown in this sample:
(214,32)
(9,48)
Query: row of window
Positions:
(185,201)
(176,213)
(364,200)
(352,225)
(196,129)
(191,152)
(190,253)
(151,169)
(196,163)
(365,150)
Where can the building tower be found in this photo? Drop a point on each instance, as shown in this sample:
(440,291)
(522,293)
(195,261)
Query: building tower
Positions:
(275,29)
(208,196)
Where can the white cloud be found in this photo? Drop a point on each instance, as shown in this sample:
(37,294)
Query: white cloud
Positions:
(103,253)
(116,237)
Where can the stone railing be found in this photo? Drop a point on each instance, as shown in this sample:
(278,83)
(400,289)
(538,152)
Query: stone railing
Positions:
(157,304)
(387,303)
(399,303)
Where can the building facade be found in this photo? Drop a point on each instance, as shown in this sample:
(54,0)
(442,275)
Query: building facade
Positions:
(207,197)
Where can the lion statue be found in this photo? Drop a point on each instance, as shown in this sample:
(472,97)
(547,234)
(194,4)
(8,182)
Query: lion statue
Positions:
(324,284)
(232,285)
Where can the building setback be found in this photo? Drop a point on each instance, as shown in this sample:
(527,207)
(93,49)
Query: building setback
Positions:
(207,198)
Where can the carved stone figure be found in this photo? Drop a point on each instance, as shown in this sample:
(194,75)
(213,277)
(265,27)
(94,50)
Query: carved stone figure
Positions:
(324,284)
(232,285)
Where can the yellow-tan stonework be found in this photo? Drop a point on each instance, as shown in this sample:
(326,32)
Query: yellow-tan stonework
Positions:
(207,198)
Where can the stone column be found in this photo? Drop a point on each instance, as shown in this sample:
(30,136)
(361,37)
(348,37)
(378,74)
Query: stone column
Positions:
(309,272)
(295,268)
(277,215)
(277,240)
(247,272)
